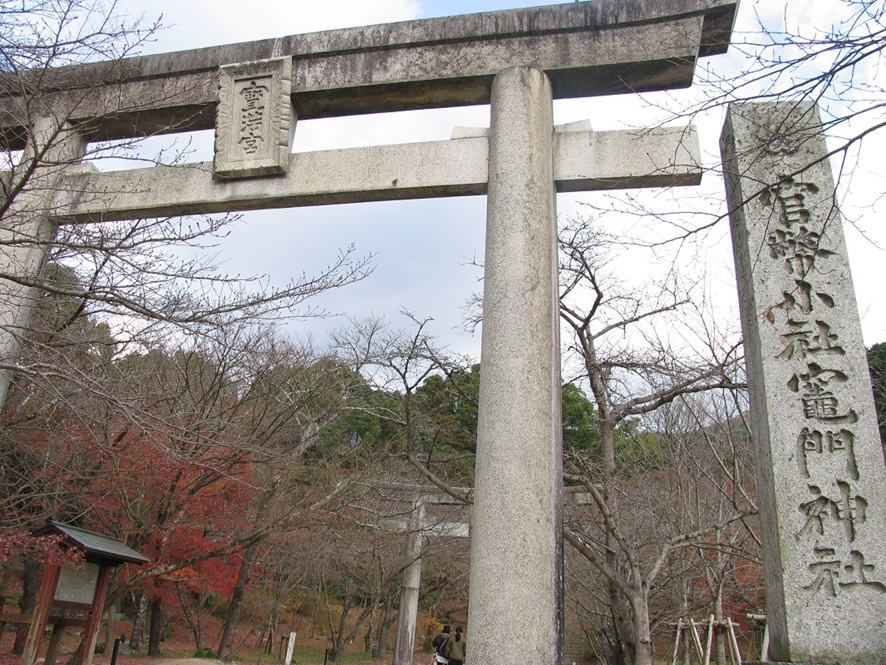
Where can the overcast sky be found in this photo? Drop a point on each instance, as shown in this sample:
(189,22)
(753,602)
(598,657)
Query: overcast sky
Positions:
(423,249)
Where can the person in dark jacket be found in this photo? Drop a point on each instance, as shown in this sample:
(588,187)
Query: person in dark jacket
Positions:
(455,649)
(440,642)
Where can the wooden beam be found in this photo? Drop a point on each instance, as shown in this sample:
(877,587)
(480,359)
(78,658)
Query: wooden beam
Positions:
(45,596)
(93,623)
(52,620)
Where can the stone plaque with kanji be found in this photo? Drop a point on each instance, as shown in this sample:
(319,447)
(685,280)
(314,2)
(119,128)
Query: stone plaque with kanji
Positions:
(254,119)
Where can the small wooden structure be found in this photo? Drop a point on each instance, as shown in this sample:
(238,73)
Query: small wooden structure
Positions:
(760,623)
(84,589)
(688,630)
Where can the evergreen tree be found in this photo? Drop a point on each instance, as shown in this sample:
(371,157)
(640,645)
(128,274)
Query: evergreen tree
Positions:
(877,367)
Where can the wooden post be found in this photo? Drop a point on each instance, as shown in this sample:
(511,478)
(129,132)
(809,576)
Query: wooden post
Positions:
(733,641)
(41,613)
(707,651)
(90,635)
(696,640)
(764,650)
(677,641)
(290,649)
(55,638)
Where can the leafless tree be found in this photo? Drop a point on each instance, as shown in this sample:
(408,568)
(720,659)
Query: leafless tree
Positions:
(829,55)
(76,299)
(145,279)
(634,352)
(708,444)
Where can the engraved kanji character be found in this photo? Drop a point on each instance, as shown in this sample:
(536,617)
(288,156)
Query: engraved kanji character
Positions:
(803,298)
(853,509)
(253,94)
(251,127)
(826,571)
(814,441)
(791,198)
(250,144)
(823,340)
(857,572)
(822,406)
(847,510)
(819,402)
(816,510)
(799,248)
(803,341)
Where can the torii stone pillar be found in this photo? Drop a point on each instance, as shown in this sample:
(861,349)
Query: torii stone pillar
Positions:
(516,539)
(29,228)
(408,613)
(820,473)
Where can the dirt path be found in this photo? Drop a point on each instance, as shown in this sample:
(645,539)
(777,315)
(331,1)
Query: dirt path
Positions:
(145,660)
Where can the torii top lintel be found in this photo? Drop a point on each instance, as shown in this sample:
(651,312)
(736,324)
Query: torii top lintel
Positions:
(586,48)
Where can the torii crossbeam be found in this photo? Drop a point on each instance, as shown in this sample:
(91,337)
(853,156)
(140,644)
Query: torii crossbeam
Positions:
(518,61)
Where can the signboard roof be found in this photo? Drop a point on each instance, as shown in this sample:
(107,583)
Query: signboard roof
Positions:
(111,551)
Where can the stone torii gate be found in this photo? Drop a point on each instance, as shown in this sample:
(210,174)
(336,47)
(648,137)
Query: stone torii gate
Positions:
(419,527)
(518,61)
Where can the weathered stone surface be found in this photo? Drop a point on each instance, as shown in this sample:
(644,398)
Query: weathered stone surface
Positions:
(27,233)
(589,161)
(514,609)
(587,48)
(407,614)
(583,161)
(820,469)
(254,119)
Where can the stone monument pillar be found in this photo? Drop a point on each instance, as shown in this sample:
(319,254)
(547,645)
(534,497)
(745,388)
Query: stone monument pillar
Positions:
(516,528)
(820,471)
